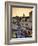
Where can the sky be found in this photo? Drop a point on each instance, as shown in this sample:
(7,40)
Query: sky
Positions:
(20,11)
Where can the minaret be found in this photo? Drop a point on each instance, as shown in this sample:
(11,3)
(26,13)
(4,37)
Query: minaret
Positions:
(23,15)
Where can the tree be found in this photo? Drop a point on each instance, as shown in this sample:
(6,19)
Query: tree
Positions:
(17,16)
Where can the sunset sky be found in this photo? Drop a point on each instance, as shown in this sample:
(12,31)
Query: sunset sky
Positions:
(20,11)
